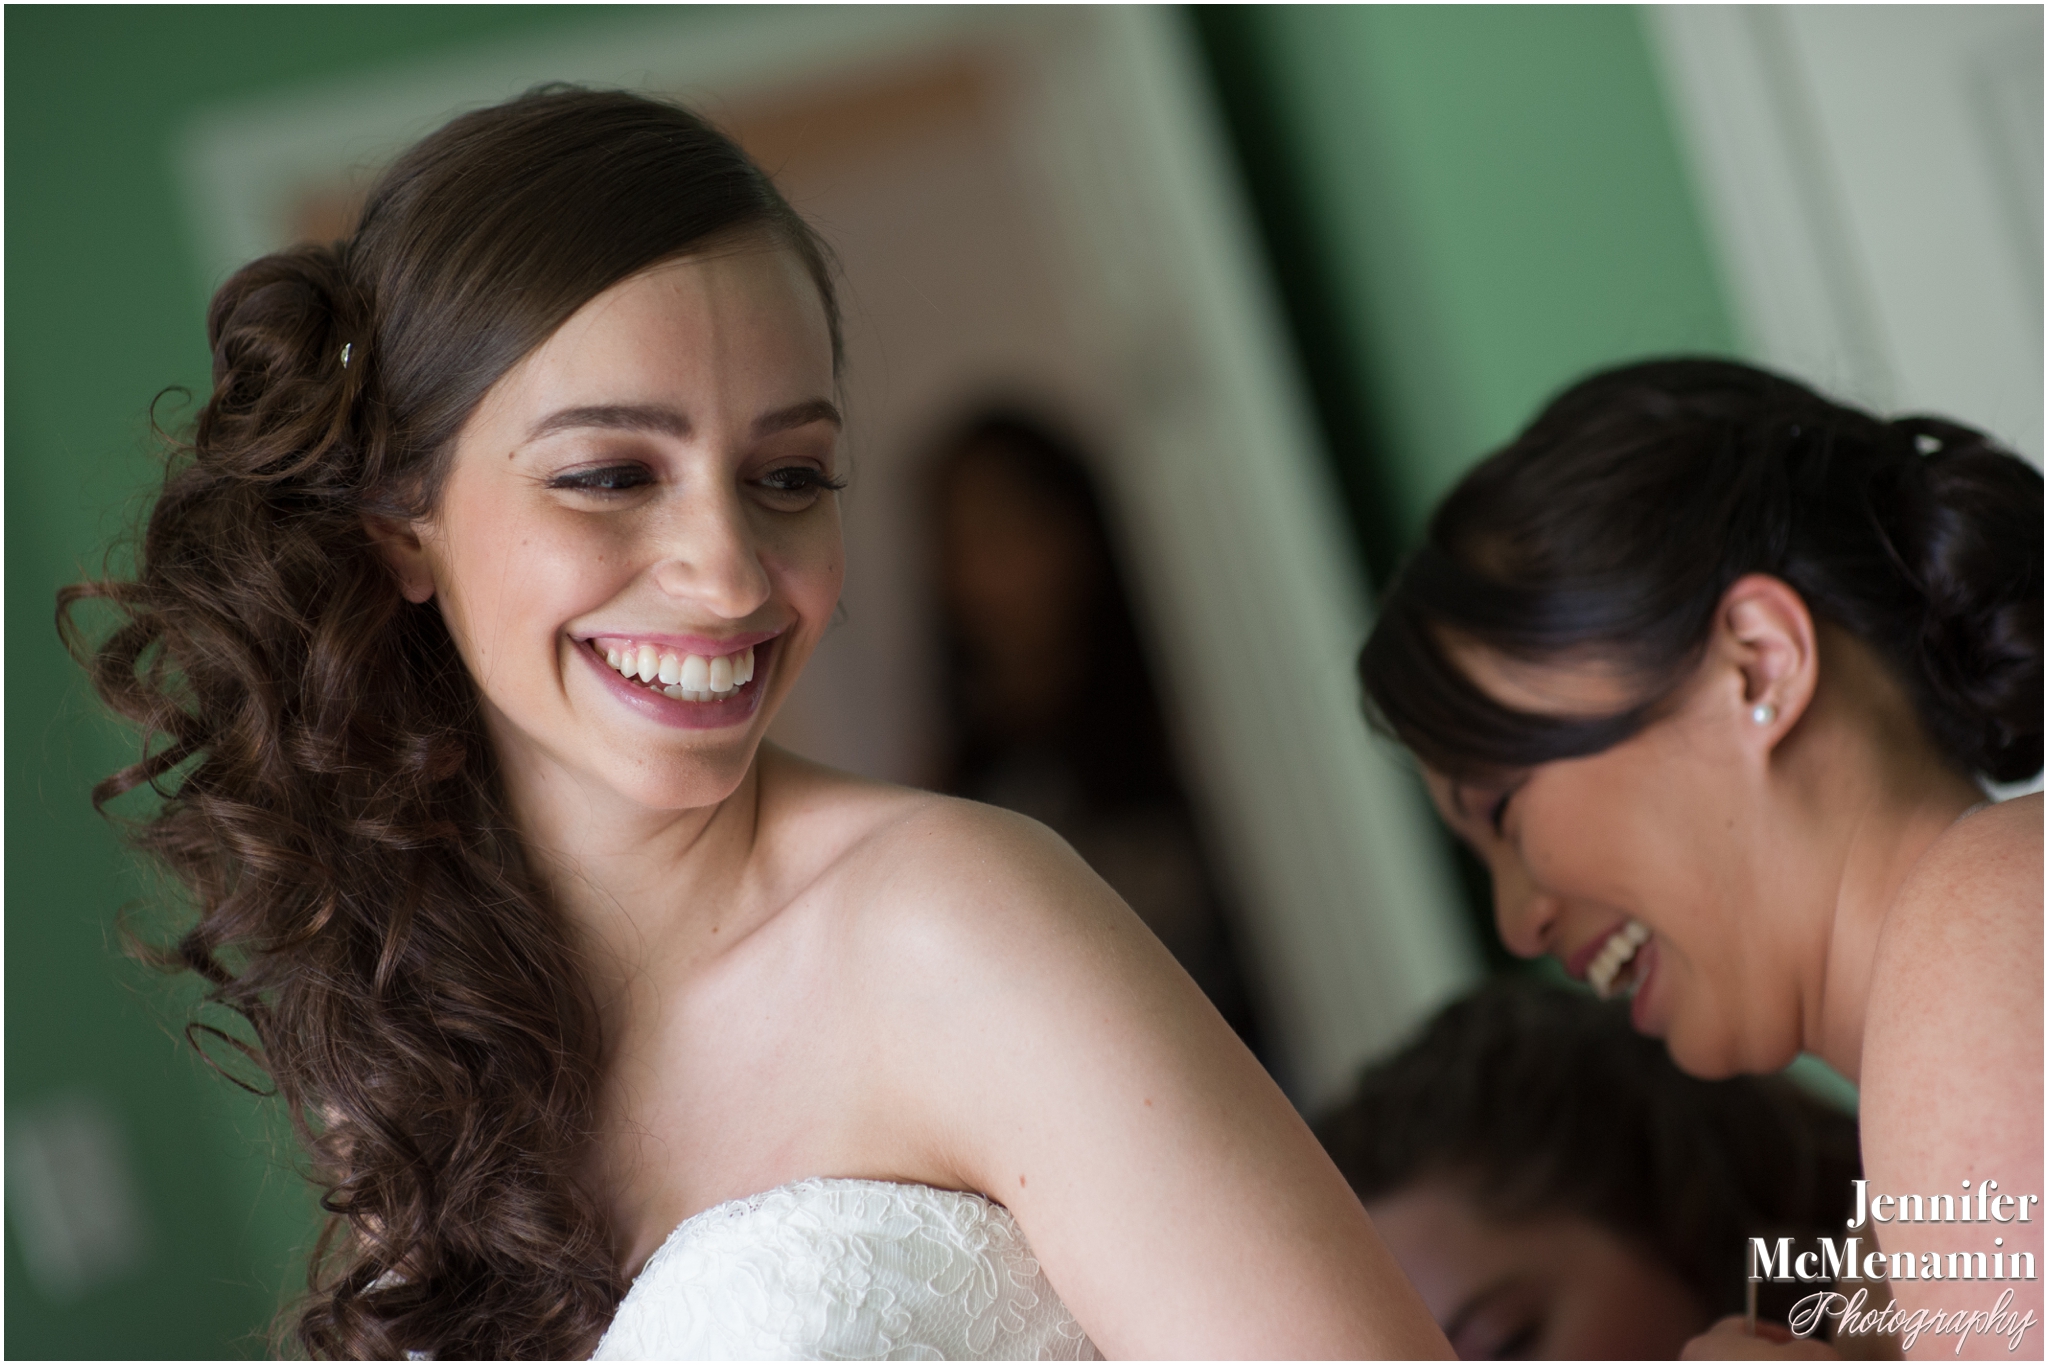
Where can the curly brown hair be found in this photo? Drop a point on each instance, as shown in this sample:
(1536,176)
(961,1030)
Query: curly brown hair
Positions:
(327,793)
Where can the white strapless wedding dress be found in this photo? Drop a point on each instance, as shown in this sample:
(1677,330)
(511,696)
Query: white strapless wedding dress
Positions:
(846,1270)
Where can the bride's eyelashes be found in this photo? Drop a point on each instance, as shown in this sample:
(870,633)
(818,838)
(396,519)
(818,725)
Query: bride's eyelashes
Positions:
(797,486)
(789,486)
(602,479)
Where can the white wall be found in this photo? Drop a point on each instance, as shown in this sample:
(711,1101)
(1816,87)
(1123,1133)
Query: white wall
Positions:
(1872,175)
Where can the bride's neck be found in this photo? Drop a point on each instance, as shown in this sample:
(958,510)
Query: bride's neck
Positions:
(643,893)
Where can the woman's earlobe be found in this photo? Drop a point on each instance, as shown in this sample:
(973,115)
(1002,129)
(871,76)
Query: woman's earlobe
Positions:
(1766,625)
(398,544)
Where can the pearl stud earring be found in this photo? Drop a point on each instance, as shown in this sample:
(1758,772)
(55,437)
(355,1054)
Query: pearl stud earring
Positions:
(1764,714)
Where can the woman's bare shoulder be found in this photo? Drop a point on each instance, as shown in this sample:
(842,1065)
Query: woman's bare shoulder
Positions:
(1977,888)
(1992,841)
(972,879)
(906,862)
(947,909)
(1952,1038)
(1028,1038)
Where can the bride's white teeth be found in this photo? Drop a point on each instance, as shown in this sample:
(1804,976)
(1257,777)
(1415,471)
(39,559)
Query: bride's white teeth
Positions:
(685,677)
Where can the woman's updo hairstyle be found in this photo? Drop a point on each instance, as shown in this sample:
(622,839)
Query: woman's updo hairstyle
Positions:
(1608,531)
(327,794)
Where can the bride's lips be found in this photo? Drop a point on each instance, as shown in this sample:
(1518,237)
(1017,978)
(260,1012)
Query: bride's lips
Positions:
(689,715)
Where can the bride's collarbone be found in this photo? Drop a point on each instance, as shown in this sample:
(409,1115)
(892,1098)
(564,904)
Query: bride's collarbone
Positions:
(754,1074)
(819,1046)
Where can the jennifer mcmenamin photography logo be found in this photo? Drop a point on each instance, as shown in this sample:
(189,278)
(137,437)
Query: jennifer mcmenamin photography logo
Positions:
(1847,1260)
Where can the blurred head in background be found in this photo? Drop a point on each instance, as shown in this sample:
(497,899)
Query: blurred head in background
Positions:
(1052,706)
(1557,1189)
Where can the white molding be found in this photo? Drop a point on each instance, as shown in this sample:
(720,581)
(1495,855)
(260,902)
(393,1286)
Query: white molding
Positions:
(1871,174)
(240,163)
(1241,561)
(1244,551)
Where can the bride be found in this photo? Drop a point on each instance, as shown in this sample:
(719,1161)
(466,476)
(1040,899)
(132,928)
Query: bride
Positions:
(509,523)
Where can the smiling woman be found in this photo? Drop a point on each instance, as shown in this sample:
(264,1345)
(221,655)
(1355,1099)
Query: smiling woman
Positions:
(1708,670)
(552,552)
(509,524)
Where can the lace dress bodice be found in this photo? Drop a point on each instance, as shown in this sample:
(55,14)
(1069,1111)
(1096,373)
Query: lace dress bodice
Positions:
(846,1270)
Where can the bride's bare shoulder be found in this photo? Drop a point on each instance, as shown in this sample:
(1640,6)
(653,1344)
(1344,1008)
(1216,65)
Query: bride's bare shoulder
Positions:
(898,857)
(937,860)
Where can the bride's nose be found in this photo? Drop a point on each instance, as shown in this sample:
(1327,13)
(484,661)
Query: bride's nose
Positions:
(706,554)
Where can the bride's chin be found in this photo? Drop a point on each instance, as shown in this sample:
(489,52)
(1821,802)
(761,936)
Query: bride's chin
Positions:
(686,781)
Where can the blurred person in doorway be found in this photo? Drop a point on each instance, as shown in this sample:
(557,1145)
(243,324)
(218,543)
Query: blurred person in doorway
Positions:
(1557,1189)
(1052,706)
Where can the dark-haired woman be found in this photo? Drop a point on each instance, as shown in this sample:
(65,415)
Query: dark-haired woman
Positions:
(508,524)
(1708,669)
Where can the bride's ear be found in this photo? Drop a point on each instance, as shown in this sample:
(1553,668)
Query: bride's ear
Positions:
(399,546)
(1765,632)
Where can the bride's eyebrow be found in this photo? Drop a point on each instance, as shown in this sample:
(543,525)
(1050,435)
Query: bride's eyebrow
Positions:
(798,415)
(663,421)
(615,417)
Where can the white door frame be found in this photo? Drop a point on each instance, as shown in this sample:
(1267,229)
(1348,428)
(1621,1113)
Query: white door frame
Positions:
(1872,177)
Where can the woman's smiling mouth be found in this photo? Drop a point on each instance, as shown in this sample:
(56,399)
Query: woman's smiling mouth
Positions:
(694,684)
(679,674)
(1611,969)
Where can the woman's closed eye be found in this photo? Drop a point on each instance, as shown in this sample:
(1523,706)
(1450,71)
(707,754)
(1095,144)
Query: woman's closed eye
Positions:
(603,479)
(1497,812)
(1503,1323)
(1487,802)
(795,486)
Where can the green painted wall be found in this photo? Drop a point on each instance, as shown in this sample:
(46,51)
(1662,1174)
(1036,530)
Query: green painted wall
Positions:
(1471,205)
(105,307)
(1467,207)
